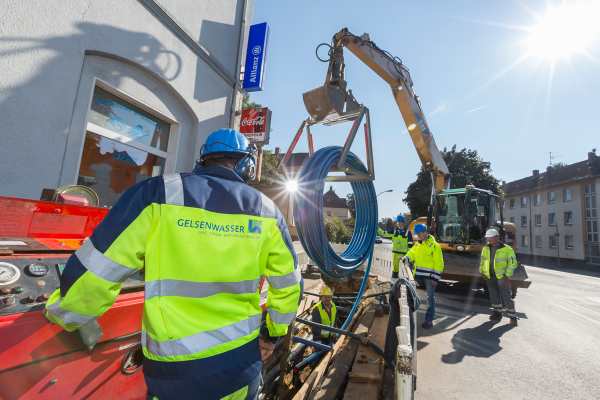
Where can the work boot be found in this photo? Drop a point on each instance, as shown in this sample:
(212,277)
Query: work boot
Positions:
(513,321)
(427,325)
(496,316)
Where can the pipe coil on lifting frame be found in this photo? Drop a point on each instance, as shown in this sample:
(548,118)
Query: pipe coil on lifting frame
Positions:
(310,224)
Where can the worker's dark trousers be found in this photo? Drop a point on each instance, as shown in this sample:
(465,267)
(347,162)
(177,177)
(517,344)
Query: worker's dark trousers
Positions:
(501,291)
(430,289)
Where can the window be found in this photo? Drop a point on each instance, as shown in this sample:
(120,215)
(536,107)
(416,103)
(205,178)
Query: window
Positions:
(523,221)
(329,200)
(592,231)
(552,242)
(123,145)
(591,188)
(568,218)
(550,197)
(552,219)
(538,220)
(592,254)
(590,207)
(512,220)
(569,242)
(524,240)
(512,203)
(567,195)
(537,199)
(538,241)
(523,202)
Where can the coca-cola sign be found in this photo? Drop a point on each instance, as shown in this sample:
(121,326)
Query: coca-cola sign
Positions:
(256,125)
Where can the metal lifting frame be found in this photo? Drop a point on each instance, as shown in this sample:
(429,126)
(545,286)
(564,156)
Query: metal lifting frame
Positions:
(351,174)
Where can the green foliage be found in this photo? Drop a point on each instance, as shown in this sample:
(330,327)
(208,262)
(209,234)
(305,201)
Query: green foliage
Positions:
(246,103)
(334,228)
(349,221)
(559,165)
(466,167)
(387,223)
(351,204)
(269,172)
(407,219)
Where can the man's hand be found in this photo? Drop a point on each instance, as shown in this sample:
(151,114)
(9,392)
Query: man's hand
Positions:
(266,348)
(484,276)
(433,283)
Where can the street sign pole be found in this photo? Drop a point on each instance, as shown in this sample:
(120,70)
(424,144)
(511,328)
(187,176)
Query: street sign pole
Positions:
(557,244)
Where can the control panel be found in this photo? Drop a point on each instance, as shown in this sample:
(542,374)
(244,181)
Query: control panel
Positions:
(26,283)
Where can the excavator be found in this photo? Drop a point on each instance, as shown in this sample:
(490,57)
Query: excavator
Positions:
(458,218)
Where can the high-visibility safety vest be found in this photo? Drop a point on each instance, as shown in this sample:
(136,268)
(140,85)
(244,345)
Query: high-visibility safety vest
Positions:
(428,259)
(325,320)
(207,238)
(505,261)
(402,239)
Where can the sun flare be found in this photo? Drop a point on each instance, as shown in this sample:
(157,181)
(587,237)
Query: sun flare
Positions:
(566,29)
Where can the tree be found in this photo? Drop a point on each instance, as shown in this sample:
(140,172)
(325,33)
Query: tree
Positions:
(386,223)
(466,167)
(246,103)
(269,172)
(334,228)
(559,165)
(350,203)
(407,219)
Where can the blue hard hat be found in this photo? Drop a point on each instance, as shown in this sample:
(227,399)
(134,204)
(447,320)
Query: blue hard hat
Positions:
(231,143)
(228,142)
(400,218)
(419,228)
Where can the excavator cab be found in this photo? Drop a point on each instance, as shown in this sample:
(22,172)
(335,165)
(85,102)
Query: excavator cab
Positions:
(463,216)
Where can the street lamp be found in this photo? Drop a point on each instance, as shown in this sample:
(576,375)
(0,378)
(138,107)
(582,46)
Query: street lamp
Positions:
(386,191)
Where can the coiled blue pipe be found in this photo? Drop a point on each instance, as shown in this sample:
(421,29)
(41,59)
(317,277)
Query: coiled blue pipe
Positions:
(309,220)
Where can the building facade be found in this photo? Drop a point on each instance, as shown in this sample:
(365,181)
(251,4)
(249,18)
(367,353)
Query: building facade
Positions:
(106,94)
(333,205)
(556,213)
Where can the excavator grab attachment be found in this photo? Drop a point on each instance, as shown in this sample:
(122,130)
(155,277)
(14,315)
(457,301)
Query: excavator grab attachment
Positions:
(326,101)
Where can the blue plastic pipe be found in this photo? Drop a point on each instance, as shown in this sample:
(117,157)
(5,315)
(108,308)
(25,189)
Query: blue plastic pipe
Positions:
(319,346)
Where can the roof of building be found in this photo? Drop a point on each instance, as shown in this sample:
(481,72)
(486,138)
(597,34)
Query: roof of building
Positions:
(580,171)
(334,200)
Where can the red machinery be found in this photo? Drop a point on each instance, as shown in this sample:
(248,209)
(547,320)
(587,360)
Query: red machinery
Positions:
(39,360)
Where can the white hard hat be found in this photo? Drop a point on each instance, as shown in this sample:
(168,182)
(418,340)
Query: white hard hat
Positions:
(491,233)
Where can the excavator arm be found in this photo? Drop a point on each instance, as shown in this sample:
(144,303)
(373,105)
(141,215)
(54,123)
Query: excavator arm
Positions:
(328,101)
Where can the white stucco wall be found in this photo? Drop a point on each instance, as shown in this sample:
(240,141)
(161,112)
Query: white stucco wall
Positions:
(53,51)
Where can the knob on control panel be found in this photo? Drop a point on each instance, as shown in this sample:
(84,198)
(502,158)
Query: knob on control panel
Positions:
(31,299)
(45,297)
(5,290)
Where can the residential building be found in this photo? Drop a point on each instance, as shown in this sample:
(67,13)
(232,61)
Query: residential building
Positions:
(333,205)
(106,94)
(556,212)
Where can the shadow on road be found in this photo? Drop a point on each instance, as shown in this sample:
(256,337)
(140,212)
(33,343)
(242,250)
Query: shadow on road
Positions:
(481,341)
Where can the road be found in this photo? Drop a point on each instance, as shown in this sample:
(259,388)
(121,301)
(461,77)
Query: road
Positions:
(552,354)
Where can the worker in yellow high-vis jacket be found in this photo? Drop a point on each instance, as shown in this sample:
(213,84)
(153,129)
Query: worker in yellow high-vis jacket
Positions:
(324,313)
(207,238)
(429,264)
(402,241)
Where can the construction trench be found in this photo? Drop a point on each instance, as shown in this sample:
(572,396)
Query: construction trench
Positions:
(349,369)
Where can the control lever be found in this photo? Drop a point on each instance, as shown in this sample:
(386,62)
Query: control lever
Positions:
(90,334)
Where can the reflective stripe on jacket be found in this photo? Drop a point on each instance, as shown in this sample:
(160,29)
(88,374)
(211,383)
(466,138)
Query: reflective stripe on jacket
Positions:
(428,259)
(402,239)
(207,239)
(505,261)
(324,319)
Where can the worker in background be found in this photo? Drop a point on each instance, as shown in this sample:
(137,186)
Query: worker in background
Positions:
(324,313)
(498,264)
(206,238)
(402,241)
(429,264)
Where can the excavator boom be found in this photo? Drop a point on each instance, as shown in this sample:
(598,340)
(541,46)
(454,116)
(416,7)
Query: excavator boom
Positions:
(328,100)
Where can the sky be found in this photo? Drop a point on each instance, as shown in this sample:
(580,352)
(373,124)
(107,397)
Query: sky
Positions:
(512,80)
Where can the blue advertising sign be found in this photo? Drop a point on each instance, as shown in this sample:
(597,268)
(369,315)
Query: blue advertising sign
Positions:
(256,57)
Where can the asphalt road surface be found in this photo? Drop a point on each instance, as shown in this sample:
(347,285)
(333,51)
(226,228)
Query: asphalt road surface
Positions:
(552,354)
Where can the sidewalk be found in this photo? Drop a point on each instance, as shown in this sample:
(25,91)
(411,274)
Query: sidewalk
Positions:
(573,266)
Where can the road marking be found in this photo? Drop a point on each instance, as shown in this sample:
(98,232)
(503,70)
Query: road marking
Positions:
(437,321)
(576,313)
(566,301)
